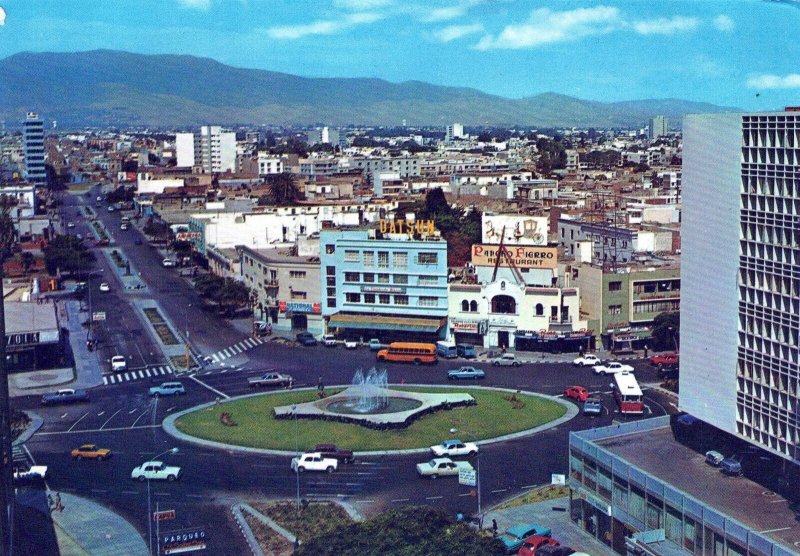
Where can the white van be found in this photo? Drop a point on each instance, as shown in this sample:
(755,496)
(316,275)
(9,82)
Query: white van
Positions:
(118,363)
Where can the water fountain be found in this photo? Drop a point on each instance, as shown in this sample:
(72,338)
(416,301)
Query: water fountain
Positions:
(369,401)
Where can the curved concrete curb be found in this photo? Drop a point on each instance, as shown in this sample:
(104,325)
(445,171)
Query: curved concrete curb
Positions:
(169,423)
(35,424)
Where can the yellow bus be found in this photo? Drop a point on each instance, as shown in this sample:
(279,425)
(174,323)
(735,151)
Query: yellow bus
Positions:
(409,352)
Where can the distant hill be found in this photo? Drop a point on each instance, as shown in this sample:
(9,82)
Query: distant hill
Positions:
(105,87)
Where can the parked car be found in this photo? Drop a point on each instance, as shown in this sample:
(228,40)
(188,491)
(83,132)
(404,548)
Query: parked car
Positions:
(593,406)
(168,389)
(453,448)
(306,339)
(70,224)
(467,351)
(65,395)
(155,470)
(441,467)
(104,287)
(714,458)
(465,372)
(110,208)
(664,359)
(314,461)
(374,344)
(350,344)
(558,550)
(533,544)
(577,393)
(732,465)
(271,379)
(612,367)
(331,451)
(33,474)
(169,263)
(588,360)
(118,363)
(90,451)
(329,340)
(506,360)
(99,199)
(514,536)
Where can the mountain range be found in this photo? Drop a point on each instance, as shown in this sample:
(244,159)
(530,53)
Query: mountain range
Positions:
(113,88)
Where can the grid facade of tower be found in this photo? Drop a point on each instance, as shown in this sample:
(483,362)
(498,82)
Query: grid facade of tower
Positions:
(768,357)
(33,149)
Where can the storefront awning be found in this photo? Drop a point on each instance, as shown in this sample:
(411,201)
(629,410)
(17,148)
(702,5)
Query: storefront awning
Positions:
(384,322)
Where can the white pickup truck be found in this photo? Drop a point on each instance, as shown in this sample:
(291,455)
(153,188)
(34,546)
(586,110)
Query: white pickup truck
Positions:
(155,470)
(440,467)
(314,461)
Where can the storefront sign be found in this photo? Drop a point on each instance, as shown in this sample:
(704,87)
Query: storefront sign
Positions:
(382,289)
(27,339)
(186,236)
(183,541)
(300,308)
(410,227)
(515,229)
(99,316)
(469,327)
(165,515)
(522,256)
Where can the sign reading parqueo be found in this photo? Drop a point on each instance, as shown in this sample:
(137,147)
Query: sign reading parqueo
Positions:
(524,256)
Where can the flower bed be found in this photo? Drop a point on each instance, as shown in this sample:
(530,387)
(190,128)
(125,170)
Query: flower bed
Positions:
(165,334)
(153,315)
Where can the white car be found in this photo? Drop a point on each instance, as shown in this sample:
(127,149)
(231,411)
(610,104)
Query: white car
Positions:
(506,360)
(329,340)
(70,224)
(611,368)
(451,448)
(441,467)
(314,461)
(118,363)
(155,470)
(104,287)
(350,344)
(588,360)
(169,263)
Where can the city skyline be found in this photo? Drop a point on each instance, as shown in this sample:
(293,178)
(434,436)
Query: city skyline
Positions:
(605,51)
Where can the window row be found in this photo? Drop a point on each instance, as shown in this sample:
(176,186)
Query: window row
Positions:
(399,259)
(386,299)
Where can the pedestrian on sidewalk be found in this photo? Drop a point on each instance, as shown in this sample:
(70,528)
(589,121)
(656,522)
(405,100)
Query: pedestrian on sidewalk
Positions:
(645,351)
(494,527)
(59,505)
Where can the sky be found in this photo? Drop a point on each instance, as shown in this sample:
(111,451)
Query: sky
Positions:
(736,53)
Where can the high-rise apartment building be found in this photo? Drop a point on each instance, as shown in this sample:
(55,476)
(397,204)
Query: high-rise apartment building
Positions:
(740,307)
(657,128)
(324,135)
(33,148)
(212,149)
(454,131)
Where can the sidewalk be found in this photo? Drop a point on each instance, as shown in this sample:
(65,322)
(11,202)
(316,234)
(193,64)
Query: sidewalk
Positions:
(83,527)
(542,357)
(564,531)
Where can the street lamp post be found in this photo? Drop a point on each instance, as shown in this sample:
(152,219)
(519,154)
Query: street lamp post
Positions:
(186,314)
(297,455)
(477,475)
(149,511)
(91,315)
(672,335)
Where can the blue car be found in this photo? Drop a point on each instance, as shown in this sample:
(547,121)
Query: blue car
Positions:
(514,536)
(168,389)
(465,372)
(593,406)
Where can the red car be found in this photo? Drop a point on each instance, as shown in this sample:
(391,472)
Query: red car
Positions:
(577,393)
(665,359)
(532,544)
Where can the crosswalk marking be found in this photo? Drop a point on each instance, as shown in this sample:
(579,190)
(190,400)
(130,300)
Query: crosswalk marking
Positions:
(235,349)
(137,375)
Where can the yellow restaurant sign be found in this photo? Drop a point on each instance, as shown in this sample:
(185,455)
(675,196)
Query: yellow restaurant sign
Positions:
(524,256)
(410,227)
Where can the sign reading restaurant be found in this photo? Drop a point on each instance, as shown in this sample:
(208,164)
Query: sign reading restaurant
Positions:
(523,256)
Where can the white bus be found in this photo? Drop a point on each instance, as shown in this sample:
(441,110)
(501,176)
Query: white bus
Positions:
(628,394)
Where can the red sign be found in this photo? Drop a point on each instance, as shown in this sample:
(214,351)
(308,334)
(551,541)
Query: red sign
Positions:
(165,515)
(282,306)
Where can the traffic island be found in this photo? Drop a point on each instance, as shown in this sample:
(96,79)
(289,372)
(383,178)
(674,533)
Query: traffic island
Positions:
(492,418)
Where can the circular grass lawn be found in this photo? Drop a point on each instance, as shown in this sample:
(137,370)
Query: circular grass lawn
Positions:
(493,416)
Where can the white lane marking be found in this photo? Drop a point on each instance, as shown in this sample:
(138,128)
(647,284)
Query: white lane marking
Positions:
(775,530)
(433,497)
(107,420)
(401,500)
(170,409)
(201,383)
(134,410)
(100,414)
(78,421)
(63,416)
(141,374)
(196,495)
(129,492)
(466,494)
(84,431)
(500,490)
(146,412)
(147,372)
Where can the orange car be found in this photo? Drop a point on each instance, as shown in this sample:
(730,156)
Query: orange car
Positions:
(90,451)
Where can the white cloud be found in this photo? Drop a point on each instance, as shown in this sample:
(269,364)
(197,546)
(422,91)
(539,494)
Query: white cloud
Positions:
(322,27)
(195,4)
(443,14)
(360,5)
(723,23)
(454,32)
(545,26)
(2,16)
(664,26)
(768,81)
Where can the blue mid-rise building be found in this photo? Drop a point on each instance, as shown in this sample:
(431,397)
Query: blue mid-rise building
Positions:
(388,281)
(33,148)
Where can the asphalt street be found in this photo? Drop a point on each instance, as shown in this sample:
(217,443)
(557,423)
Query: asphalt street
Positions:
(123,417)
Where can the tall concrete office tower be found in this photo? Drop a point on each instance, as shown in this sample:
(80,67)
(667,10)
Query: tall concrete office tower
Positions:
(454,131)
(212,149)
(33,149)
(657,127)
(740,298)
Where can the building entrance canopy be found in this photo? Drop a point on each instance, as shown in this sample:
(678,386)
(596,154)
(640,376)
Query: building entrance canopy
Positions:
(385,322)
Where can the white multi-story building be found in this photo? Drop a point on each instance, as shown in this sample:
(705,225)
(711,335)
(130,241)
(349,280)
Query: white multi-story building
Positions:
(324,135)
(740,309)
(657,127)
(212,150)
(33,145)
(269,164)
(454,131)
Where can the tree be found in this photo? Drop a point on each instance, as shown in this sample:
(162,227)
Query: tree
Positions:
(67,254)
(666,332)
(207,285)
(283,189)
(182,248)
(408,531)
(232,295)
(26,260)
(156,229)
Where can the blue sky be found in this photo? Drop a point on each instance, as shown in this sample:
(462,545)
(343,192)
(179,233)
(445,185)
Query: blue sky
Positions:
(741,53)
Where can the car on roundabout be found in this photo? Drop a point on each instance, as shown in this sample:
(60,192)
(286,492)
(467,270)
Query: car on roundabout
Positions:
(374,344)
(167,389)
(454,448)
(593,406)
(442,467)
(90,451)
(105,288)
(578,393)
(350,344)
(156,471)
(612,367)
(664,360)
(506,360)
(314,461)
(465,373)
(587,360)
(271,379)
